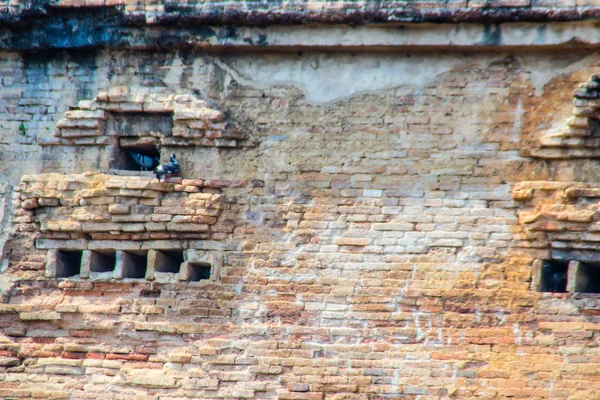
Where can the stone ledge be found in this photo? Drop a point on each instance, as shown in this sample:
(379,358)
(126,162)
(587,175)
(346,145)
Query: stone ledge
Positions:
(194,123)
(124,207)
(559,216)
(316,12)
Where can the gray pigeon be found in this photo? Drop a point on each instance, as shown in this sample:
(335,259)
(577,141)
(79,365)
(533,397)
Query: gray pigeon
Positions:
(555,278)
(145,162)
(168,169)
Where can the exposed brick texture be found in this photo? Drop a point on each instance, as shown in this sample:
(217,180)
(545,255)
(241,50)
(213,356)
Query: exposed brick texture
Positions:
(379,245)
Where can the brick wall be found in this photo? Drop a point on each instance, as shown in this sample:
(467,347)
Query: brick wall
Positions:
(381,246)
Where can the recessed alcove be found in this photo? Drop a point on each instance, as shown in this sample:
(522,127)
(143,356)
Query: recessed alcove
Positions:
(103,261)
(126,157)
(68,263)
(100,263)
(566,276)
(168,261)
(134,264)
(584,277)
(138,137)
(198,272)
(594,127)
(554,276)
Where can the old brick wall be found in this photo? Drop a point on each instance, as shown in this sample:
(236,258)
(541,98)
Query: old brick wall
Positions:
(374,243)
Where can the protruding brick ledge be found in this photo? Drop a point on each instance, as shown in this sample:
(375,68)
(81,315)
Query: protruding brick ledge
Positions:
(107,207)
(194,123)
(560,218)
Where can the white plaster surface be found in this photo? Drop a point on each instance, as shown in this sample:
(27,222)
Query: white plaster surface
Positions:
(330,77)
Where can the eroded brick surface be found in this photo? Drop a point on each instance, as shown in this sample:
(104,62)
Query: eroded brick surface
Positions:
(376,246)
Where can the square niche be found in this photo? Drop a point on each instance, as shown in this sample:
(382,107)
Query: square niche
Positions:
(138,136)
(68,263)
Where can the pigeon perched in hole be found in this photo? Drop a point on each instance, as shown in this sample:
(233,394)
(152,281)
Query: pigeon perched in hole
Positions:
(555,278)
(145,162)
(168,169)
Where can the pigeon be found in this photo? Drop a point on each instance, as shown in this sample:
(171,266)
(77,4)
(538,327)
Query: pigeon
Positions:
(168,169)
(145,162)
(555,278)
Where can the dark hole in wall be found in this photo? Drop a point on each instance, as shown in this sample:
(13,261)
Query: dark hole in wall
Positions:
(136,159)
(199,271)
(138,136)
(589,278)
(69,263)
(103,261)
(150,293)
(554,276)
(594,127)
(170,262)
(135,265)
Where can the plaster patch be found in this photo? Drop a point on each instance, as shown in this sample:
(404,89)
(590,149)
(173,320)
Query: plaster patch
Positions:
(327,78)
(543,69)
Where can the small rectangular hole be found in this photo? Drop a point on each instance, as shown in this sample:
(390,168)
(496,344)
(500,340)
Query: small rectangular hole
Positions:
(588,278)
(135,265)
(594,125)
(199,271)
(137,159)
(554,276)
(150,293)
(68,263)
(103,261)
(170,261)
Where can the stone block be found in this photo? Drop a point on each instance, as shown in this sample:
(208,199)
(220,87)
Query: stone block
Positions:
(536,275)
(100,226)
(133,228)
(48,202)
(86,114)
(30,204)
(155,226)
(192,182)
(9,361)
(151,379)
(73,133)
(118,94)
(86,260)
(51,263)
(73,244)
(204,114)
(79,123)
(63,370)
(40,316)
(186,227)
(118,209)
(350,241)
(163,244)
(114,245)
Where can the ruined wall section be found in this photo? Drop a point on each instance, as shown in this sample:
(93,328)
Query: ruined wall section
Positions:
(375,248)
(37,89)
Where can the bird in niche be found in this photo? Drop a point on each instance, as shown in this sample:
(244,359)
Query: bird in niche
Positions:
(169,169)
(555,278)
(145,162)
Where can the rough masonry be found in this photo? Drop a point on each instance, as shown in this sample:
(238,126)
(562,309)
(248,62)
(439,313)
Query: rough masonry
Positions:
(377,200)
